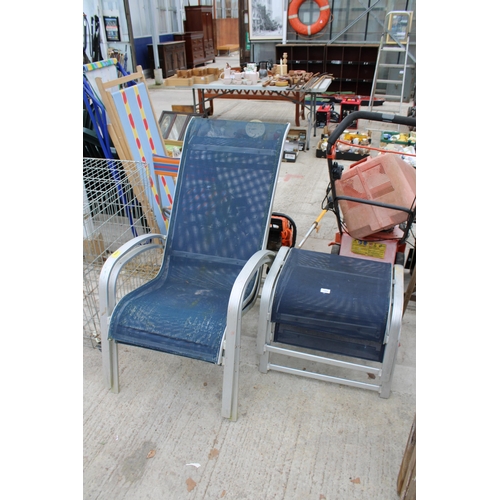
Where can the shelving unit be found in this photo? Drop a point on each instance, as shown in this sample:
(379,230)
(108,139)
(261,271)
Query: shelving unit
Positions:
(352,66)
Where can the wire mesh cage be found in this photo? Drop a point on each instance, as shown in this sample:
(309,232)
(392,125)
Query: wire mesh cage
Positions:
(116,208)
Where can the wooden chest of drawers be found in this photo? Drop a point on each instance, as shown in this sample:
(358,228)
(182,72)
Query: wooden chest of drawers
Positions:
(195,51)
(199,19)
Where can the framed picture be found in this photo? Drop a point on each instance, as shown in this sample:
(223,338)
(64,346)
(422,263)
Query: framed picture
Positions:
(266,19)
(112,27)
(399,27)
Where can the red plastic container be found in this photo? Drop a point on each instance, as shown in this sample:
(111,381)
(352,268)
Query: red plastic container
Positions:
(385,178)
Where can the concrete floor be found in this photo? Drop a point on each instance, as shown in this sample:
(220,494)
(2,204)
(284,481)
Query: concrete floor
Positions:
(162,436)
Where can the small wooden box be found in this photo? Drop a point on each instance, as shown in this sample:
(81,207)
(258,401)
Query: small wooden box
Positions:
(200,71)
(175,81)
(204,79)
(184,73)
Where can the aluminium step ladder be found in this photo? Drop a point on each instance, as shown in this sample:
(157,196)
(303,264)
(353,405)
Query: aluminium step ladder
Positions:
(392,59)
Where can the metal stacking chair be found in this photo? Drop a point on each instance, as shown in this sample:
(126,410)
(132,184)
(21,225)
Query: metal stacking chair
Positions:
(213,253)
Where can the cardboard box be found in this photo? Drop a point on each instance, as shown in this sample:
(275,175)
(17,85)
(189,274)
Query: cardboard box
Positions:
(294,145)
(93,248)
(290,151)
(320,153)
(290,156)
(297,134)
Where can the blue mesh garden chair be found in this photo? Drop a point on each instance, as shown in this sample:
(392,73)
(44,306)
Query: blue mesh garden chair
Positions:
(214,251)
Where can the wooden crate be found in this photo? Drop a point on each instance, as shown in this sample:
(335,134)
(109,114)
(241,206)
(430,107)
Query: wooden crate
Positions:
(170,144)
(204,79)
(215,71)
(183,108)
(200,71)
(184,73)
(175,81)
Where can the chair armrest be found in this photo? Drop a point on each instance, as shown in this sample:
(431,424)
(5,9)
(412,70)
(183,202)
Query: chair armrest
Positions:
(115,263)
(233,331)
(267,296)
(235,305)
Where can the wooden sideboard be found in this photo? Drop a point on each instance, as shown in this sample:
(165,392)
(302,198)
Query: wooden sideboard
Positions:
(171,55)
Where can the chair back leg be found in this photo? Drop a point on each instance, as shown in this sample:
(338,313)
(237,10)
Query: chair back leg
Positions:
(107,302)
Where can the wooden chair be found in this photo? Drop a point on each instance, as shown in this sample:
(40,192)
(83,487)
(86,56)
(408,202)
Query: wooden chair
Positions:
(134,130)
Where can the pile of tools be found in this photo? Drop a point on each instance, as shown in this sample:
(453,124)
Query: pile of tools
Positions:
(296,80)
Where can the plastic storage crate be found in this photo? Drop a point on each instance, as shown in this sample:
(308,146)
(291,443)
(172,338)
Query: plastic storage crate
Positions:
(386,179)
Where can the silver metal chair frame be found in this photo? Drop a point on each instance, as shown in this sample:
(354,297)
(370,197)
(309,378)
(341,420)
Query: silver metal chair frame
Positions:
(107,298)
(230,349)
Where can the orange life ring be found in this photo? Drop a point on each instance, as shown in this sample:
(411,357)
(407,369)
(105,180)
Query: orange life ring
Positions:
(309,29)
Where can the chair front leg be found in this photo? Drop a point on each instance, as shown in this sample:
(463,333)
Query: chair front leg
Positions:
(264,330)
(233,333)
(110,363)
(107,300)
(391,349)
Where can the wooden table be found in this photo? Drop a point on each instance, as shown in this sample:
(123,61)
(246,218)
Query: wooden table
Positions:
(230,47)
(207,93)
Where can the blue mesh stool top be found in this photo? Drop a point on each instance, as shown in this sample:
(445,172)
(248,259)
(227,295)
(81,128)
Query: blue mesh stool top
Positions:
(333,303)
(220,220)
(327,308)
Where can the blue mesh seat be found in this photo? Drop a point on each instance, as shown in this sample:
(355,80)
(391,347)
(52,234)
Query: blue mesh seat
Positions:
(214,250)
(327,308)
(333,303)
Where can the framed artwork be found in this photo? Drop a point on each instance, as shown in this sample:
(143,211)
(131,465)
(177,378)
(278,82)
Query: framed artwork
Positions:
(399,27)
(112,27)
(266,19)
(173,125)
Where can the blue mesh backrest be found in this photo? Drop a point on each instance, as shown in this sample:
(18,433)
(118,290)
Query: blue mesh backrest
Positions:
(224,190)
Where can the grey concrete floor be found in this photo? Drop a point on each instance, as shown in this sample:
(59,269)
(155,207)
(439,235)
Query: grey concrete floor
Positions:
(162,436)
